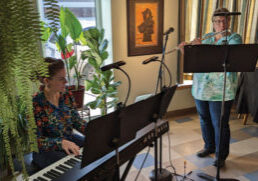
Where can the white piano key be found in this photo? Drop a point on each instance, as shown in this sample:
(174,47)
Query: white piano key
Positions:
(53,166)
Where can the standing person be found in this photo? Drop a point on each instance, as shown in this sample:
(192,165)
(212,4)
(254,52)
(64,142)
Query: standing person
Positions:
(56,115)
(207,90)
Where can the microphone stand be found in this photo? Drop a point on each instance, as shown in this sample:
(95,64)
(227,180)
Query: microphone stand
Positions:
(160,174)
(159,80)
(203,175)
(116,139)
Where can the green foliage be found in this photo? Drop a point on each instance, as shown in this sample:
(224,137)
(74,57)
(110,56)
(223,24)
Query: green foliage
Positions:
(102,84)
(71,26)
(20,58)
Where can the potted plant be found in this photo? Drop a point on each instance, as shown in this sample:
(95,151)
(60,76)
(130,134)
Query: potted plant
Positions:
(102,84)
(69,26)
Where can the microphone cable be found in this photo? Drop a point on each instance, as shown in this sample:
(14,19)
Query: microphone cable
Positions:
(171,164)
(169,156)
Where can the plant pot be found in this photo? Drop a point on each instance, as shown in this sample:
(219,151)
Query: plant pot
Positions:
(78,95)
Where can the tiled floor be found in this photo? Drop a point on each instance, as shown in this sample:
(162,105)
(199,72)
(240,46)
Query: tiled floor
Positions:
(186,140)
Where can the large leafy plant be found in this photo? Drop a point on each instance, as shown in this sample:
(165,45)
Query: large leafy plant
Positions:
(102,83)
(20,58)
(69,26)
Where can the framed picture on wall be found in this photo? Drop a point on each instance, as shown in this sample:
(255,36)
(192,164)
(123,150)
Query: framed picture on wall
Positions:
(144,26)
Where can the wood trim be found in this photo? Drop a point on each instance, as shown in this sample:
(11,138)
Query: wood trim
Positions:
(181,112)
(181,37)
(182,86)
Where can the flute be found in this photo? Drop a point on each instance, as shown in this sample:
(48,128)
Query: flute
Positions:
(204,38)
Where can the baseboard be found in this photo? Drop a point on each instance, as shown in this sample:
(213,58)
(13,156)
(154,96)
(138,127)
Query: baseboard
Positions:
(181,112)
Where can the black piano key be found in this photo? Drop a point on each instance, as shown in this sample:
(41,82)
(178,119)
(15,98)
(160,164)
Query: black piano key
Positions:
(41,179)
(56,172)
(49,176)
(61,169)
(52,174)
(64,167)
(69,163)
(73,161)
(76,161)
(79,157)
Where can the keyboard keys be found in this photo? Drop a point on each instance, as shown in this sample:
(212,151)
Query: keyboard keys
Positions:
(61,169)
(56,172)
(64,167)
(49,176)
(69,163)
(41,179)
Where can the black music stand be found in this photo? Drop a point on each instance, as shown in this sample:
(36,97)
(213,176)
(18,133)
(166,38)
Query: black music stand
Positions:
(162,174)
(121,125)
(222,58)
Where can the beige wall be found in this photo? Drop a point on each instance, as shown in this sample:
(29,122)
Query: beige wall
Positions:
(144,77)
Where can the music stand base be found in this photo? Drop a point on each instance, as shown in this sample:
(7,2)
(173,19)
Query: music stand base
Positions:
(211,178)
(164,175)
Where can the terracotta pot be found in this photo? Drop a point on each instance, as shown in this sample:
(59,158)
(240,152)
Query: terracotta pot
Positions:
(78,95)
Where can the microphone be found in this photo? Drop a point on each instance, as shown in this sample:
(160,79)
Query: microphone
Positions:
(115,65)
(170,30)
(154,58)
(227,14)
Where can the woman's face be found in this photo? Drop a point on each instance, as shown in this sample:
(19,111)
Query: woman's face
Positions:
(57,82)
(219,23)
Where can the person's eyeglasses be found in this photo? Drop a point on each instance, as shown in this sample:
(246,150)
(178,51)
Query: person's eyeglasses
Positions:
(60,79)
(219,21)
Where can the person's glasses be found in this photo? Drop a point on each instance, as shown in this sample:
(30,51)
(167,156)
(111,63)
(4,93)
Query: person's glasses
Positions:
(219,21)
(59,79)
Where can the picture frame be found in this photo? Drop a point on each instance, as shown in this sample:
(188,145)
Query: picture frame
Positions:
(145,26)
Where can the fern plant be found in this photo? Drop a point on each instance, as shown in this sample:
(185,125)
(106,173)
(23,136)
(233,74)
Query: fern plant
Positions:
(20,58)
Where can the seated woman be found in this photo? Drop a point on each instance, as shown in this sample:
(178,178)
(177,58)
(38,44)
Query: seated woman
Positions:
(56,116)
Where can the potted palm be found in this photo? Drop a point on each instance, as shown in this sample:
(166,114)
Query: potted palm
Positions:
(70,27)
(102,84)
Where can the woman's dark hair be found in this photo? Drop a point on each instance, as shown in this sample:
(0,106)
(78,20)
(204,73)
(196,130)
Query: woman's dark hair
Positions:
(220,10)
(54,65)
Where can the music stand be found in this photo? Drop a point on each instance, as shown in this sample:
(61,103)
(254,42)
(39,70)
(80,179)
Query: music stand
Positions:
(222,58)
(121,124)
(162,174)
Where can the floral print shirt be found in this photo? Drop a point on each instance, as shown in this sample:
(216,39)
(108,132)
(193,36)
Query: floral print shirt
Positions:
(55,123)
(209,86)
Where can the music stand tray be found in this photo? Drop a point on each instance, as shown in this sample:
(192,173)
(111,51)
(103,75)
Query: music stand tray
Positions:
(209,58)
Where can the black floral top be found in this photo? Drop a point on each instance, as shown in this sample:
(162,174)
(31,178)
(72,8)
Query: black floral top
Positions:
(55,123)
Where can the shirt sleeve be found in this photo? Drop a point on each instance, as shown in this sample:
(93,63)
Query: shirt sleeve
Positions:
(78,123)
(235,39)
(44,143)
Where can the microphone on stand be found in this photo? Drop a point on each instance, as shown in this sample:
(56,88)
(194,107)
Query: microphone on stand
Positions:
(115,65)
(227,14)
(154,58)
(170,30)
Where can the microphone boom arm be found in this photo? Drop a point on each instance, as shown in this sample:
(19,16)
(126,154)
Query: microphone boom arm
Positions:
(129,85)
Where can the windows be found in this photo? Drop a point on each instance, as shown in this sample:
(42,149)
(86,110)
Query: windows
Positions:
(84,10)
